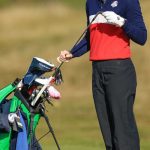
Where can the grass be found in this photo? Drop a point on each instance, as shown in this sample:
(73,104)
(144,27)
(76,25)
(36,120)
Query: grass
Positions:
(44,30)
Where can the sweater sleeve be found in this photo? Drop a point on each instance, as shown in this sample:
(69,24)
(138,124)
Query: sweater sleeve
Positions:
(134,25)
(84,45)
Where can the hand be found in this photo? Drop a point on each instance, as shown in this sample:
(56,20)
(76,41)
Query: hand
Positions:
(12,116)
(65,56)
(113,18)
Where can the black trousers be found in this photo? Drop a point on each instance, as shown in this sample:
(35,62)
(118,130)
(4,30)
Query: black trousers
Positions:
(114,88)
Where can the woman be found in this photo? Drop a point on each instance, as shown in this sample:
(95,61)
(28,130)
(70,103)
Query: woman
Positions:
(114,77)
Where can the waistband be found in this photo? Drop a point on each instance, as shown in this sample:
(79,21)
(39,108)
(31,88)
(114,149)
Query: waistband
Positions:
(115,62)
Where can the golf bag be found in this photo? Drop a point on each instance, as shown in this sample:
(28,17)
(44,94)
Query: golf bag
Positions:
(20,133)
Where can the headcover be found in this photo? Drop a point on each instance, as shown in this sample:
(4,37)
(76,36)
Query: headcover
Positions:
(38,67)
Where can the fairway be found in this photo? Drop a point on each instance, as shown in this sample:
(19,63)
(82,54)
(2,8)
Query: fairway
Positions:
(44,30)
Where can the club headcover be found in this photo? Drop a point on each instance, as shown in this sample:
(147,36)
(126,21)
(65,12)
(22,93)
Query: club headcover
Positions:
(53,93)
(37,68)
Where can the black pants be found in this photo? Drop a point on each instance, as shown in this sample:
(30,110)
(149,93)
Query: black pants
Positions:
(114,88)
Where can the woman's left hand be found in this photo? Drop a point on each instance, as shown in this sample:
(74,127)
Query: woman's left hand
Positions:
(113,18)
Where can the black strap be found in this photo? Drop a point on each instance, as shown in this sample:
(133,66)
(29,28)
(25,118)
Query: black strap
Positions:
(23,100)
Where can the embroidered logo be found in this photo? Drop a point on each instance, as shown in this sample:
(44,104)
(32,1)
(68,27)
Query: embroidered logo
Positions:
(114,4)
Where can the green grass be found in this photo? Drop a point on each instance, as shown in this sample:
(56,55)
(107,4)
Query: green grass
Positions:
(73,3)
(44,30)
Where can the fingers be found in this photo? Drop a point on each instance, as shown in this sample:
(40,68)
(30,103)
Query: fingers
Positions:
(113,18)
(65,56)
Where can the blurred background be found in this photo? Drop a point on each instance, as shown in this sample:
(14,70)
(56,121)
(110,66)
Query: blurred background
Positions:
(43,28)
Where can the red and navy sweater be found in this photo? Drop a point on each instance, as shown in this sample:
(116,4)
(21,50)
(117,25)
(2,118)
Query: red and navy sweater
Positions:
(106,41)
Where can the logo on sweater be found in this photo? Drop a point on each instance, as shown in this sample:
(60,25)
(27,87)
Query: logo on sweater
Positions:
(114,4)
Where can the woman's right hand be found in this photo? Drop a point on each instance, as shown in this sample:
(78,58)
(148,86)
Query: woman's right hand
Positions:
(64,56)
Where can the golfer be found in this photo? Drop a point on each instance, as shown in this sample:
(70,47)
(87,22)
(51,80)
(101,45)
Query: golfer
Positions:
(114,78)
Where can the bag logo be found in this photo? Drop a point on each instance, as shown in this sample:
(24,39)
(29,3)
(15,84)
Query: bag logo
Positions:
(114,4)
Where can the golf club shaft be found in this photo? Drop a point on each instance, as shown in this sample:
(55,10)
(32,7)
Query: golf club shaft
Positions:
(78,40)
